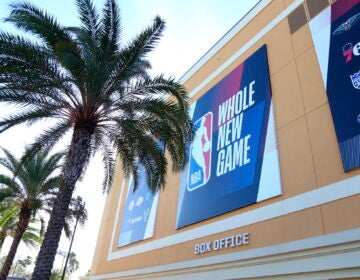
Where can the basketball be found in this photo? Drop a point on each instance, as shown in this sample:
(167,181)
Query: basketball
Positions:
(207,146)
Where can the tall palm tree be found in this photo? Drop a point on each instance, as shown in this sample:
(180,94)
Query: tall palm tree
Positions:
(78,213)
(30,187)
(97,88)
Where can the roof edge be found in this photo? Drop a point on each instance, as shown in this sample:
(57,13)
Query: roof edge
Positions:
(255,10)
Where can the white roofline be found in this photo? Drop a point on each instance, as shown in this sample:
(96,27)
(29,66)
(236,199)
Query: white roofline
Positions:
(257,8)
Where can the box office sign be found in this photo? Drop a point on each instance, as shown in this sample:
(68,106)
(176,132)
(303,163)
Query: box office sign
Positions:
(222,243)
(335,33)
(233,159)
(139,213)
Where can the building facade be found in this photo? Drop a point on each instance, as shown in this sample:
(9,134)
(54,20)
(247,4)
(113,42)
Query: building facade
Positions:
(272,186)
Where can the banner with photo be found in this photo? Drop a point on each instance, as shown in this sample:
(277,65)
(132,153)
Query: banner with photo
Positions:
(233,160)
(139,214)
(335,32)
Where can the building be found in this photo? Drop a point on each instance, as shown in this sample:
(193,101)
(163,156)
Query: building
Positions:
(272,187)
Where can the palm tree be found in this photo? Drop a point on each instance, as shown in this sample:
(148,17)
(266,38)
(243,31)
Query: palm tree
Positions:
(89,83)
(20,268)
(9,217)
(29,188)
(72,266)
(33,236)
(78,213)
(7,221)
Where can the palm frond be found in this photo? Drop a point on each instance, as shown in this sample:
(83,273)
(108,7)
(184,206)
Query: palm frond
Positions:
(10,162)
(164,87)
(51,184)
(6,192)
(28,117)
(122,72)
(21,98)
(103,143)
(110,28)
(9,215)
(18,56)
(78,210)
(32,239)
(147,40)
(89,18)
(130,62)
(143,149)
(127,157)
(31,19)
(48,138)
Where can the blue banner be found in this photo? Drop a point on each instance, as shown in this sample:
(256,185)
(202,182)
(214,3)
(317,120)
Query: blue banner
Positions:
(343,80)
(226,157)
(139,212)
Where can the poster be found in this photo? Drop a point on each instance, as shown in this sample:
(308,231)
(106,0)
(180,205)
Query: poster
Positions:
(139,214)
(335,33)
(233,159)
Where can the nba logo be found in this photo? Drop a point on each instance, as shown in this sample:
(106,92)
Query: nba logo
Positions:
(355,79)
(200,153)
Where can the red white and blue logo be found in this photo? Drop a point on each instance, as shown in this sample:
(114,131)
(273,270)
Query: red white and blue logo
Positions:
(349,51)
(355,79)
(226,157)
(200,153)
(343,79)
(346,25)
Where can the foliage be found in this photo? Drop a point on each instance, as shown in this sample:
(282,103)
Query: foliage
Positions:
(20,269)
(90,84)
(29,189)
(9,215)
(25,262)
(84,78)
(56,275)
(76,213)
(73,264)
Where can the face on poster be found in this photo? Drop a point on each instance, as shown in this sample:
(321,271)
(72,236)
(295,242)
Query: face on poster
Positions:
(226,157)
(335,33)
(139,213)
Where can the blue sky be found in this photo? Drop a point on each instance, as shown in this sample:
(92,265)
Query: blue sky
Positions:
(193,27)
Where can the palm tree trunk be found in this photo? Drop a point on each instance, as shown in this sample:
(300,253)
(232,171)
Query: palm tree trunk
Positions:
(76,161)
(2,239)
(24,219)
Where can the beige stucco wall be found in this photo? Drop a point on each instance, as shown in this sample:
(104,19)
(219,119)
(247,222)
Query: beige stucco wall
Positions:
(308,150)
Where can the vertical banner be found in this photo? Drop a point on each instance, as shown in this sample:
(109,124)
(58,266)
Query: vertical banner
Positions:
(233,160)
(335,33)
(139,213)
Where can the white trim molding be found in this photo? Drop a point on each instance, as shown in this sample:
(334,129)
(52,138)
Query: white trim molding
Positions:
(258,7)
(116,217)
(329,193)
(243,49)
(322,257)
(243,22)
(327,256)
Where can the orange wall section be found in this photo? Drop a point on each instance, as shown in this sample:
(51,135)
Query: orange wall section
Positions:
(308,151)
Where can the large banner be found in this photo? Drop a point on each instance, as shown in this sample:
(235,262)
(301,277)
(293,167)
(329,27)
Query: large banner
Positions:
(233,160)
(139,213)
(336,36)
